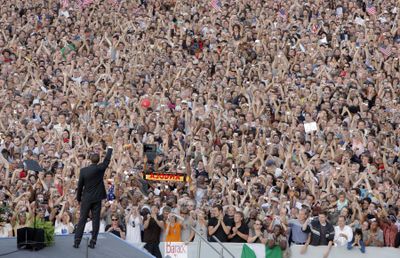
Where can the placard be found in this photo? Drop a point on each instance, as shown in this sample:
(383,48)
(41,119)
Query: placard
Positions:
(165,177)
(359,21)
(310,127)
(176,250)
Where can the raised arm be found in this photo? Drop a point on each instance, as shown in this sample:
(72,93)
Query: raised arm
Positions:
(107,159)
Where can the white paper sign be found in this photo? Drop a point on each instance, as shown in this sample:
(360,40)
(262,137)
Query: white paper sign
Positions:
(310,127)
(157,191)
(359,21)
(339,11)
(176,250)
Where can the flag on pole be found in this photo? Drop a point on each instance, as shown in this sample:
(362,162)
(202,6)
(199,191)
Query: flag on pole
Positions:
(216,4)
(282,13)
(371,10)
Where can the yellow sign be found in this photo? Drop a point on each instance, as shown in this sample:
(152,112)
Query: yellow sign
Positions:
(165,177)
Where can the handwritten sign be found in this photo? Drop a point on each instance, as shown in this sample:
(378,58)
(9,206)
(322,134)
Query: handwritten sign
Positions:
(310,127)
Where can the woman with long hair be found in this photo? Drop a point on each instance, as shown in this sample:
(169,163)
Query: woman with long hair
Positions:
(200,226)
(257,236)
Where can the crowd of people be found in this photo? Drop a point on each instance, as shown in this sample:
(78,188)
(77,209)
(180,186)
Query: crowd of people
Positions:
(284,115)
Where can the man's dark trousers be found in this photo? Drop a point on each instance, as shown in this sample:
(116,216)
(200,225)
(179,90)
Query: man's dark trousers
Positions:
(94,208)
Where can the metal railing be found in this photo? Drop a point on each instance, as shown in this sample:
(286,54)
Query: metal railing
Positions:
(223,247)
(221,254)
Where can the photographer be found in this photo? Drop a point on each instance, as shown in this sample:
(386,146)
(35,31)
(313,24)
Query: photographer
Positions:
(115,228)
(173,229)
(63,225)
(134,223)
(153,227)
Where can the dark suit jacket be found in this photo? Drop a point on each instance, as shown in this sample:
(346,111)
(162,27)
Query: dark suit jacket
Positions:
(91,183)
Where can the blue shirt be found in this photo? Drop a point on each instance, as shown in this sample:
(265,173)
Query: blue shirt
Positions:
(298,236)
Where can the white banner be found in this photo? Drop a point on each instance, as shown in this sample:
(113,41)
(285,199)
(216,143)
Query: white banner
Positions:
(175,250)
(192,251)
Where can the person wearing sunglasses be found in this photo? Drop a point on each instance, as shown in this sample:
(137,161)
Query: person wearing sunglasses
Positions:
(115,228)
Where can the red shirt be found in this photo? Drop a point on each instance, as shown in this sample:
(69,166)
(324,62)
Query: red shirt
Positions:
(22,174)
(389,233)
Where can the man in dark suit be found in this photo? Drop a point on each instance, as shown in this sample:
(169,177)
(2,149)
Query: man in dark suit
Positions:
(91,191)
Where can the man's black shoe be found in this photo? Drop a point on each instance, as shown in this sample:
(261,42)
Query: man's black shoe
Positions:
(92,244)
(76,245)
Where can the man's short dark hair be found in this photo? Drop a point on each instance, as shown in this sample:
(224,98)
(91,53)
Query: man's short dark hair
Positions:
(94,158)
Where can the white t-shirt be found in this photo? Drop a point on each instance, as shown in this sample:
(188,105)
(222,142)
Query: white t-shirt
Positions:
(89,227)
(62,229)
(4,230)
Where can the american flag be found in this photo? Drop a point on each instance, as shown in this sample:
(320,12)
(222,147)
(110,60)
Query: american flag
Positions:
(282,13)
(216,4)
(315,28)
(371,10)
(385,50)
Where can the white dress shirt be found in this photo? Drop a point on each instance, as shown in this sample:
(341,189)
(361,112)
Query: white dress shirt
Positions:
(340,240)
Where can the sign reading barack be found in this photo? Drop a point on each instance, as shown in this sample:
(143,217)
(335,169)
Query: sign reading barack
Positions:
(175,250)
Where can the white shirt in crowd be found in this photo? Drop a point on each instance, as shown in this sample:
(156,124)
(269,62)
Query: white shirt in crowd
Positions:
(341,240)
(63,229)
(4,230)
(133,229)
(89,227)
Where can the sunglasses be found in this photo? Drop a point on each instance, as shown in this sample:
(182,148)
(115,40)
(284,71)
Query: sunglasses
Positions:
(257,224)
(114,219)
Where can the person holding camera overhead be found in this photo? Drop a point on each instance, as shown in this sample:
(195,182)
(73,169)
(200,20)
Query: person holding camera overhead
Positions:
(115,228)
(133,225)
(173,229)
(153,226)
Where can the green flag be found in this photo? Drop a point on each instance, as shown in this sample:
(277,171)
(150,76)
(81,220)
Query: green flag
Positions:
(253,251)
(275,252)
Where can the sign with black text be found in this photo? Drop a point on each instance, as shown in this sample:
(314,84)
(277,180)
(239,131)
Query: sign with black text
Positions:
(165,177)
